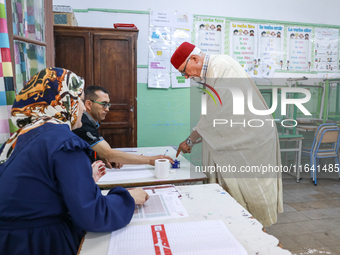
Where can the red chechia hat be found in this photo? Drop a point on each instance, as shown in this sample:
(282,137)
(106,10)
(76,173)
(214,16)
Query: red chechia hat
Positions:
(182,53)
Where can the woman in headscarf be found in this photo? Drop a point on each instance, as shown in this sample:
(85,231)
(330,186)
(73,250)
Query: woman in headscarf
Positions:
(48,197)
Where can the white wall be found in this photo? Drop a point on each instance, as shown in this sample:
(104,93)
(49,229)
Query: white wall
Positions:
(305,11)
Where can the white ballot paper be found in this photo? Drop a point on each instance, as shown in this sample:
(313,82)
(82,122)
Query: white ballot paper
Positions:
(160,189)
(160,206)
(126,149)
(199,238)
(127,172)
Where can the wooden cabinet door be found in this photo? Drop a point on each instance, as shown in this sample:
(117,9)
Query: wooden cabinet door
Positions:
(73,51)
(114,66)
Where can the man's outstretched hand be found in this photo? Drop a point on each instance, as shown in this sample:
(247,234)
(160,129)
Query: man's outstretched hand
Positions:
(183,147)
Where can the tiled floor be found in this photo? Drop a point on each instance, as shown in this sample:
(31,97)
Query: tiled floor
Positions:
(310,223)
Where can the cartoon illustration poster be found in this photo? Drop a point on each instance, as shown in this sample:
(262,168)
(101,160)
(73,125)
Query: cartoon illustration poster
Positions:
(210,34)
(183,20)
(326,49)
(271,45)
(243,38)
(299,48)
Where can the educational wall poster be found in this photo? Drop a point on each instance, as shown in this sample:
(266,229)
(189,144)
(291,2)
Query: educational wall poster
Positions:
(159,35)
(159,57)
(159,50)
(243,48)
(271,45)
(183,20)
(159,65)
(166,32)
(178,36)
(168,19)
(179,81)
(210,34)
(326,48)
(322,76)
(299,48)
(162,19)
(159,80)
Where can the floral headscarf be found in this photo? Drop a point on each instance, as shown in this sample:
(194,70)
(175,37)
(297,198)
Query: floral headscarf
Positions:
(51,96)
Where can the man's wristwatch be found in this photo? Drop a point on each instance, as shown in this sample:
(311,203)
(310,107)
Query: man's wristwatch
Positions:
(189,142)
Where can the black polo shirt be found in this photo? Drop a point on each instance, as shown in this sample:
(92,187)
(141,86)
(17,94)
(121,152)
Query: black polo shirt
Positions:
(89,131)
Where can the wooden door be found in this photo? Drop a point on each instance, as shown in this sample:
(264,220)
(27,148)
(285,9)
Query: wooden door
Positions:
(73,51)
(114,66)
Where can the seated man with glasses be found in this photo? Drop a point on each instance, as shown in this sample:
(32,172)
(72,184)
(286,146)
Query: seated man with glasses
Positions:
(97,104)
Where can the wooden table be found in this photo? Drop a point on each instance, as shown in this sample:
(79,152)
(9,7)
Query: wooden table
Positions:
(186,174)
(205,202)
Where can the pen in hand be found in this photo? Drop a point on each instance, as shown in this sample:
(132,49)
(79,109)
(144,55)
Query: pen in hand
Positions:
(165,152)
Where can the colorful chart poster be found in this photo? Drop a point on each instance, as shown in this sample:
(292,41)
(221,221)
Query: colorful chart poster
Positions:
(299,48)
(210,34)
(271,45)
(243,38)
(326,49)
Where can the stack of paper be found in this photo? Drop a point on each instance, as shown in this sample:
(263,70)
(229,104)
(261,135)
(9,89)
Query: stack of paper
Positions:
(198,238)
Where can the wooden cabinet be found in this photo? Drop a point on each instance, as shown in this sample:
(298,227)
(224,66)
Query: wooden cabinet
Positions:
(107,58)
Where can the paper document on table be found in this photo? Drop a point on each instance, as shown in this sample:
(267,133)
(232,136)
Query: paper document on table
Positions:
(160,206)
(159,189)
(201,237)
(127,149)
(130,167)
(126,173)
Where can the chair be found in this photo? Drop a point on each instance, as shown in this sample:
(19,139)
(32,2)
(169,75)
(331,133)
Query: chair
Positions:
(284,133)
(329,95)
(285,136)
(325,145)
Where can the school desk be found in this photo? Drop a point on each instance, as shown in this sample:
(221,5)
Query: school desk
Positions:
(204,202)
(186,174)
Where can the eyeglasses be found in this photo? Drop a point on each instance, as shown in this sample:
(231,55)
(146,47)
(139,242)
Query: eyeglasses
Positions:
(183,72)
(104,104)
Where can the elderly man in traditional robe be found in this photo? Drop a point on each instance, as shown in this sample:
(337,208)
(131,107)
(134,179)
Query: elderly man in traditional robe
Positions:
(237,143)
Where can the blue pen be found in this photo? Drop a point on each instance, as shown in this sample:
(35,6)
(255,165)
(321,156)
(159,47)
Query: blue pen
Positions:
(165,152)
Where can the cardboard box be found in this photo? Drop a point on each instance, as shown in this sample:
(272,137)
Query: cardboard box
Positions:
(64,19)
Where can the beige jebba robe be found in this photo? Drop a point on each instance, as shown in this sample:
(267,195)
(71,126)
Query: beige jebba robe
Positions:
(239,146)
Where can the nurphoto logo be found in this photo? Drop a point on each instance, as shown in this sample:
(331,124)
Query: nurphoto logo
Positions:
(238,100)
(238,104)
